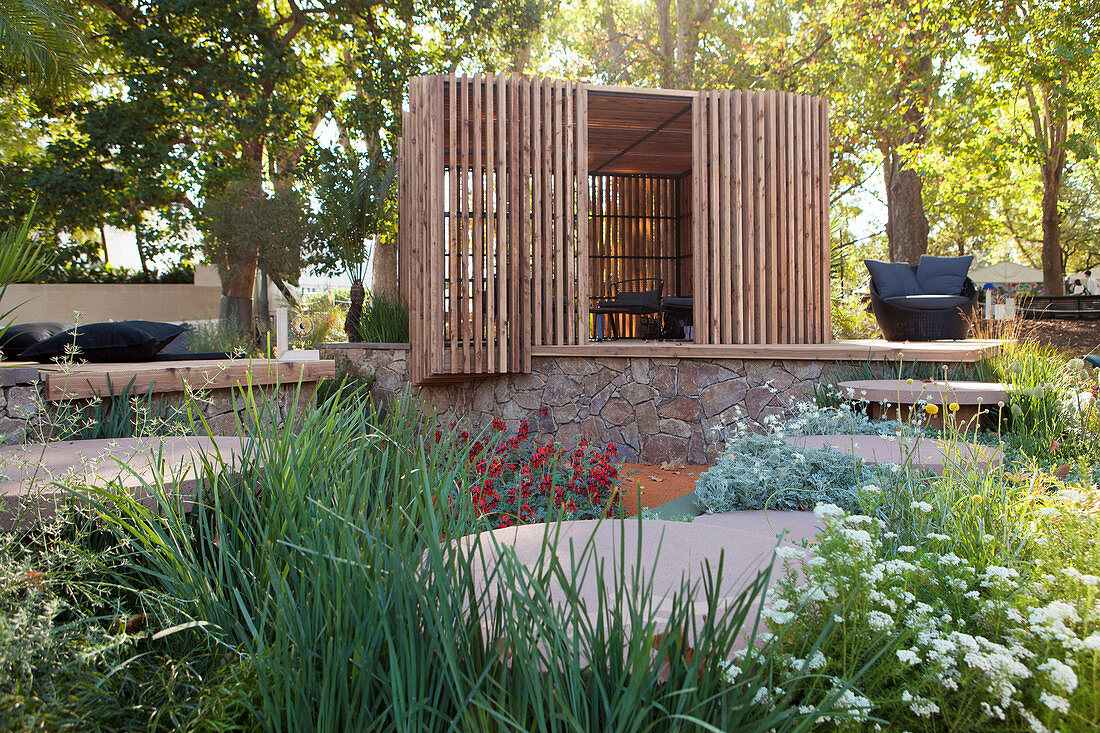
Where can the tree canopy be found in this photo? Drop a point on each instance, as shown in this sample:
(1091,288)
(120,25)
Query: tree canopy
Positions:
(956,126)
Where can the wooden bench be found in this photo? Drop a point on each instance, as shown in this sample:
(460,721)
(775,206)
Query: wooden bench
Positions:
(1073,307)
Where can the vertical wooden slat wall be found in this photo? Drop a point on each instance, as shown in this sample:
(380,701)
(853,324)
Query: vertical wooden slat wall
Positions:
(759,206)
(503,234)
(493,227)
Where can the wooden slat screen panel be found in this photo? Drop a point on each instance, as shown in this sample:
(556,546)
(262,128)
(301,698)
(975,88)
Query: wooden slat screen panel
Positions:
(759,203)
(494,254)
(503,233)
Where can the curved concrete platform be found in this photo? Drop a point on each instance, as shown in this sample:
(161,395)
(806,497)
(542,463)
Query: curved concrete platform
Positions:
(663,551)
(928,454)
(900,391)
(30,474)
(895,399)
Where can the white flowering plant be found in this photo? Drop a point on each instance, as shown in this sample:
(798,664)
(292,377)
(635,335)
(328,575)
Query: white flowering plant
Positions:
(972,645)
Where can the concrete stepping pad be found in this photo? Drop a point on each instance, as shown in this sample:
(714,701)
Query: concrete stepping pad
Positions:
(30,474)
(896,398)
(929,454)
(664,551)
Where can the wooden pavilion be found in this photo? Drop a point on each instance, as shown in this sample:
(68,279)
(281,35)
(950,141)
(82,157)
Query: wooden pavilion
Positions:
(521,199)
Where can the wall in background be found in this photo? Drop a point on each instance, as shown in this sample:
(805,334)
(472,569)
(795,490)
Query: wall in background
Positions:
(110,302)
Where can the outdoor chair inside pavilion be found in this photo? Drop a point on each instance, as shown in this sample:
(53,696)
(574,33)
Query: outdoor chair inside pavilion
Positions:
(639,297)
(931,301)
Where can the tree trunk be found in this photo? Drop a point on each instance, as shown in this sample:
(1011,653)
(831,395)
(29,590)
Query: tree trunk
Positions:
(355,312)
(1049,122)
(906,224)
(1053,277)
(384,267)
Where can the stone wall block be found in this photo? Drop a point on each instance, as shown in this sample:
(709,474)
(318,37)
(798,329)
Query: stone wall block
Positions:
(529,400)
(576,366)
(679,428)
(635,393)
(560,390)
(717,398)
(758,371)
(681,408)
(484,397)
(24,402)
(695,375)
(664,379)
(658,449)
(617,411)
(597,380)
(639,371)
(756,399)
(645,417)
(803,370)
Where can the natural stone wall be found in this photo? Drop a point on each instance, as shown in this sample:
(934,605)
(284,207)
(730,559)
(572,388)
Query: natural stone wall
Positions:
(653,409)
(25,415)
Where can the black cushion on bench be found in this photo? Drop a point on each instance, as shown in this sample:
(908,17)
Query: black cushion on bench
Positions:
(893,279)
(942,275)
(107,342)
(21,336)
(929,302)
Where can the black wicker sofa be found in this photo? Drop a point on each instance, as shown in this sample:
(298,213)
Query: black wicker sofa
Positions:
(932,301)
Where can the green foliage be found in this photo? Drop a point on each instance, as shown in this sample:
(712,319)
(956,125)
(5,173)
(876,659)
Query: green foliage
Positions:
(357,203)
(40,41)
(127,415)
(358,608)
(987,600)
(20,260)
(243,224)
(208,337)
(766,472)
(75,647)
(385,318)
(851,319)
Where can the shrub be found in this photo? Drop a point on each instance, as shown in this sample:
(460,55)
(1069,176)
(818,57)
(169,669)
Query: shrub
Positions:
(385,318)
(766,472)
(973,642)
(520,479)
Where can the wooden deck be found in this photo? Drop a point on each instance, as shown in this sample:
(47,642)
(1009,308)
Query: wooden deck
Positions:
(85,381)
(939,352)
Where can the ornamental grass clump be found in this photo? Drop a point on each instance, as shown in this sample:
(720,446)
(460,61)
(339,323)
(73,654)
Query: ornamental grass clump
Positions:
(329,559)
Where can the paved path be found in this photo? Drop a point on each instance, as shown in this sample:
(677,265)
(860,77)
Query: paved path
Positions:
(663,551)
(30,474)
(926,453)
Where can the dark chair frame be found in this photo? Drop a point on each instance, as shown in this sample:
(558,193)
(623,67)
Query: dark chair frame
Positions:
(899,323)
(613,305)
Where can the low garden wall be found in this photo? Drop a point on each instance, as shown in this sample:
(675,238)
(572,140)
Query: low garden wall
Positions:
(654,409)
(26,414)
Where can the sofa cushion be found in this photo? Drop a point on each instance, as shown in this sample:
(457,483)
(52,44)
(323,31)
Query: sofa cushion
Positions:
(893,279)
(929,302)
(943,275)
(107,342)
(638,299)
(21,336)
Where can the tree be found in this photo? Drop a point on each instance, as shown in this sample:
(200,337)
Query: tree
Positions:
(357,204)
(1047,50)
(243,228)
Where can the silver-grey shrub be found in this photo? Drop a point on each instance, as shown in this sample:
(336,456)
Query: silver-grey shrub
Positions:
(766,472)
